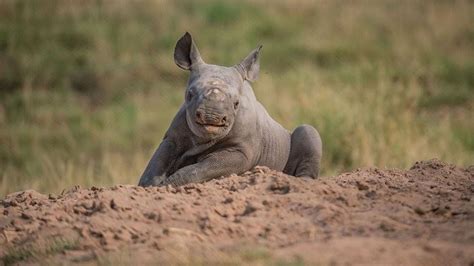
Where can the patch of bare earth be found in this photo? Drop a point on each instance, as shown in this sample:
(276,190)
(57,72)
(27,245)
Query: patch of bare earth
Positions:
(424,215)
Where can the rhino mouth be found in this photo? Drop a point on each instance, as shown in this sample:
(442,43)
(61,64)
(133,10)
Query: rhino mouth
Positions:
(212,128)
(206,125)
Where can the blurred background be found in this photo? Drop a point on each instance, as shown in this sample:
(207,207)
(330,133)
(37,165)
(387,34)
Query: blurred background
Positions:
(88,88)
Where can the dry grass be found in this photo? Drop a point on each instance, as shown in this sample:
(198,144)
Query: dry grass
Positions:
(88,88)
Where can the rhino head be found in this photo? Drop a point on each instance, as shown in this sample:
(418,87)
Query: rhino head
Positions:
(213,93)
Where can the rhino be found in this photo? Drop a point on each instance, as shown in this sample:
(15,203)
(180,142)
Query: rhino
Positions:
(222,129)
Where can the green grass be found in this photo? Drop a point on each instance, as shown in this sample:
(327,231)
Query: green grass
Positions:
(88,89)
(37,253)
(236,255)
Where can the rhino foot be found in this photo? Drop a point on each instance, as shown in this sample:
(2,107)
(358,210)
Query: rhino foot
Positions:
(305,152)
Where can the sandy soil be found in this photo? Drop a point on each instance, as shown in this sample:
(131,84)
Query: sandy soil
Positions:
(420,216)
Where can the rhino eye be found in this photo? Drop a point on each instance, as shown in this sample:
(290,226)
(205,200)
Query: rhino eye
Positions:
(236,105)
(189,96)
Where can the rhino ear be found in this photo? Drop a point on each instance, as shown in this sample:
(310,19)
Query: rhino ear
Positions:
(186,54)
(250,66)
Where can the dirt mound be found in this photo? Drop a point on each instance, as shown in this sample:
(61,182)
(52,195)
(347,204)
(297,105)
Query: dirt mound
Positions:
(424,215)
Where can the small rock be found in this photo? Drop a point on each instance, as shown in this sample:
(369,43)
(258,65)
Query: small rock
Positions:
(419,211)
(279,188)
(228,200)
(113,205)
(371,194)
(26,216)
(153,216)
(250,208)
(362,186)
(465,198)
(386,227)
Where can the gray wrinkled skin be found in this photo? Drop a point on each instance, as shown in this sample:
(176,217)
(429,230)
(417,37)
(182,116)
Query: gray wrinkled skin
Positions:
(222,129)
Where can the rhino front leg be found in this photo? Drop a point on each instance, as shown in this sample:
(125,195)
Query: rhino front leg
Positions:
(217,164)
(159,163)
(305,152)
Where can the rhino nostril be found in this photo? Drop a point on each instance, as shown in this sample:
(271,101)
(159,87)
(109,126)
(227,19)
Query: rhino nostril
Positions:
(224,119)
(199,115)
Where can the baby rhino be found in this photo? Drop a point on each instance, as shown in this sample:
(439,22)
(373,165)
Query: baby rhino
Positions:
(222,129)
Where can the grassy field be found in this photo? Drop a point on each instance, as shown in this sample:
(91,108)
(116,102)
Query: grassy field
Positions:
(88,88)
